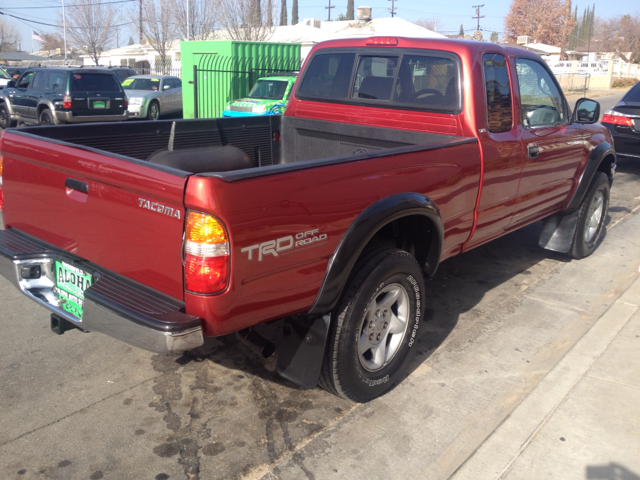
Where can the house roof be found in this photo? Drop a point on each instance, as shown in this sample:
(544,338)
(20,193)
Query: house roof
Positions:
(19,56)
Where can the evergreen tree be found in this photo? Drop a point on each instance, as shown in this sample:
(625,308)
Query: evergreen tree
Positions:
(494,37)
(131,42)
(283,13)
(294,12)
(461,32)
(349,10)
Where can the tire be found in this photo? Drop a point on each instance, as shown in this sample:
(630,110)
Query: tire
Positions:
(153,112)
(591,217)
(373,329)
(46,117)
(5,117)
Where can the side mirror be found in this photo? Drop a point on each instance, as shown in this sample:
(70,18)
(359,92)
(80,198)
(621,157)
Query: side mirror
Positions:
(11,84)
(166,87)
(586,111)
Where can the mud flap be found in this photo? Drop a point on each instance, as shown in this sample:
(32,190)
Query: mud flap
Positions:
(301,349)
(558,232)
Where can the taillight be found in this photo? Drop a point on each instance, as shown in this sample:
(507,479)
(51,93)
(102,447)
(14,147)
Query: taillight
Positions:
(66,101)
(1,191)
(611,116)
(126,103)
(206,249)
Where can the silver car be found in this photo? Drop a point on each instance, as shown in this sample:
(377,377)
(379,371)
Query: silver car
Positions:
(153,95)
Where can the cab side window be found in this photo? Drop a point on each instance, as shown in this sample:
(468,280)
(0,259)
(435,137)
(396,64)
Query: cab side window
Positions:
(25,80)
(498,93)
(541,102)
(55,80)
(38,81)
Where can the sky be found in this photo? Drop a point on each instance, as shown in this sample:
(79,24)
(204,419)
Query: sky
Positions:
(40,15)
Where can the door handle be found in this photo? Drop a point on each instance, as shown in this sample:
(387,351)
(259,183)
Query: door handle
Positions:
(78,185)
(533,151)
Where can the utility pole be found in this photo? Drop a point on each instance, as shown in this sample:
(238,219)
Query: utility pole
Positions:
(393,8)
(329,11)
(478,7)
(140,2)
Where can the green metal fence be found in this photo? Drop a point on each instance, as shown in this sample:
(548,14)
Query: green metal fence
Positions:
(220,79)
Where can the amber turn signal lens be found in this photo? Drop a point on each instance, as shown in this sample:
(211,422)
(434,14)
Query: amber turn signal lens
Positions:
(203,228)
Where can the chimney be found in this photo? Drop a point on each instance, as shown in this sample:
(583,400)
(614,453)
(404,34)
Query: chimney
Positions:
(364,14)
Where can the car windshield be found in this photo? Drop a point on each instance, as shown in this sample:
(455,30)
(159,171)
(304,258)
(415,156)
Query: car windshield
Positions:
(4,74)
(269,89)
(151,84)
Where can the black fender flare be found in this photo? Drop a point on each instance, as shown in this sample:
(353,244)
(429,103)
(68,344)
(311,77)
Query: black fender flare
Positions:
(602,151)
(362,230)
(559,229)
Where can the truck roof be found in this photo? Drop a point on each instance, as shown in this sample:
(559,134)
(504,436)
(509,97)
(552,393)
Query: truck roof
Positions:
(463,48)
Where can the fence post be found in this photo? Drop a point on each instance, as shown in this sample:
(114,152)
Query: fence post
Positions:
(250,79)
(195,91)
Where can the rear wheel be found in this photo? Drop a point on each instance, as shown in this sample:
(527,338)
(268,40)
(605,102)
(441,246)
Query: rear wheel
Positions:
(591,217)
(154,111)
(374,327)
(46,117)
(5,117)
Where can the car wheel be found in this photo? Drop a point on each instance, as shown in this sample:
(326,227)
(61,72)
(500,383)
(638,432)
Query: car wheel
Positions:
(591,217)
(46,117)
(5,117)
(154,111)
(374,327)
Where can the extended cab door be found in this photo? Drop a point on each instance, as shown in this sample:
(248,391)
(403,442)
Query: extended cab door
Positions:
(501,152)
(552,146)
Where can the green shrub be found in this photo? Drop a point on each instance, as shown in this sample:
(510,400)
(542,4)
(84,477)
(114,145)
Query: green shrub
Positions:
(624,82)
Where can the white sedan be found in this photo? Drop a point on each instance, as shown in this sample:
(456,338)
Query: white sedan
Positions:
(150,96)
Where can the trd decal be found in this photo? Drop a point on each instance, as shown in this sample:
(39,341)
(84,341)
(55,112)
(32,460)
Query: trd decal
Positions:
(285,244)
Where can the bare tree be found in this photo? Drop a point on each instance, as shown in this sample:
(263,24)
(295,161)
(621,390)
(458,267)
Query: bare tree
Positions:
(247,20)
(9,36)
(159,27)
(202,18)
(52,41)
(620,35)
(90,25)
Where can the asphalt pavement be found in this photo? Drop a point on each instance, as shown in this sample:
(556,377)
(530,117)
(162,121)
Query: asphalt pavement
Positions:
(528,367)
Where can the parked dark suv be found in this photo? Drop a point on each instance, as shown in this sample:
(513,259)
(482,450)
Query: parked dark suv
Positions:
(49,96)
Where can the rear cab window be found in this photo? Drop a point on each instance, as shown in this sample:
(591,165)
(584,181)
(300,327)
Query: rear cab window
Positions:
(415,80)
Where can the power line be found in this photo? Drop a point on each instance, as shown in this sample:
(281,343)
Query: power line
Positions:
(70,6)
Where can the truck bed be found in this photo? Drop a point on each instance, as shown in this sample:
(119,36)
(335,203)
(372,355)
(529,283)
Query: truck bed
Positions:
(267,141)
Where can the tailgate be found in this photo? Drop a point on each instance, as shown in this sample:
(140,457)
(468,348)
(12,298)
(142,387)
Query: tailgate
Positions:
(118,213)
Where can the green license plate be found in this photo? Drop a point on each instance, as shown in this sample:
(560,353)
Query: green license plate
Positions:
(71,282)
(99,104)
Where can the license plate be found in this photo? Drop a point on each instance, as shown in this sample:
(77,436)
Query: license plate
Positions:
(71,282)
(99,104)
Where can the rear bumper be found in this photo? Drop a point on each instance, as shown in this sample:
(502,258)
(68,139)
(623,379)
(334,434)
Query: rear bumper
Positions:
(113,304)
(68,117)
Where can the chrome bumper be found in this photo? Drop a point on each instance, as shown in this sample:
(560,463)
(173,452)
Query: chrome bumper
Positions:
(68,117)
(113,304)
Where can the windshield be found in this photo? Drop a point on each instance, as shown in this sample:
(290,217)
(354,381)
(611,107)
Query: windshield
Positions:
(269,89)
(151,84)
(4,74)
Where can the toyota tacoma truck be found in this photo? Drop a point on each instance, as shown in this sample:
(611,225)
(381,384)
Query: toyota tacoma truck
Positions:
(393,155)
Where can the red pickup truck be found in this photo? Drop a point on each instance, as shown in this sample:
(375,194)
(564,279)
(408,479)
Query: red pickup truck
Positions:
(393,155)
